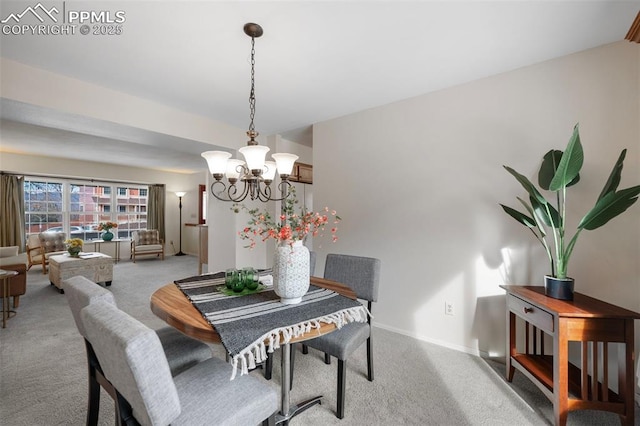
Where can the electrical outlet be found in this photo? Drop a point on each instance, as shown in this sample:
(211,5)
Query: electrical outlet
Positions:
(448,308)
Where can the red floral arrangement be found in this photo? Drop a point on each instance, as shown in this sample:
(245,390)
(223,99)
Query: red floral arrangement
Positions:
(292,225)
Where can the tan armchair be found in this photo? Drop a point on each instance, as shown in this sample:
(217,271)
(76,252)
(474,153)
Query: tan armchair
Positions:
(34,251)
(146,242)
(44,245)
(11,260)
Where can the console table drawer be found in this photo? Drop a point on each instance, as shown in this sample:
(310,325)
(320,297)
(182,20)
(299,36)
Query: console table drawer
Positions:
(530,313)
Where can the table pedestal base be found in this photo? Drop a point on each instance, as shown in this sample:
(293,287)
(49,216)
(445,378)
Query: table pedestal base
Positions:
(286,410)
(297,409)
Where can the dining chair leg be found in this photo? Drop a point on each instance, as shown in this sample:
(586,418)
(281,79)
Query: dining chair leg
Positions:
(93,389)
(124,412)
(93,398)
(305,349)
(293,358)
(342,379)
(270,421)
(268,366)
(327,359)
(370,359)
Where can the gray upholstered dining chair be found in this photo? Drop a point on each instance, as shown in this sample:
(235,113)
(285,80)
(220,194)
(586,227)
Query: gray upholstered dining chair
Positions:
(131,356)
(182,352)
(312,262)
(362,274)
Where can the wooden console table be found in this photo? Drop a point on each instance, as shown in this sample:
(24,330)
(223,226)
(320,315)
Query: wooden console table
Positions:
(585,320)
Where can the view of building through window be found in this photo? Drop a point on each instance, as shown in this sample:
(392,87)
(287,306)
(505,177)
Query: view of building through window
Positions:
(77,208)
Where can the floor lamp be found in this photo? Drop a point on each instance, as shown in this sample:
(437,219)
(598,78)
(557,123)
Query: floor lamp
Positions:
(180,195)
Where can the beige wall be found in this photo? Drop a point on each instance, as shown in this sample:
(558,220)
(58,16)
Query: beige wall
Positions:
(418,183)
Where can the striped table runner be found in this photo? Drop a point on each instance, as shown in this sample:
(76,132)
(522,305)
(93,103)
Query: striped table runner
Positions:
(251,325)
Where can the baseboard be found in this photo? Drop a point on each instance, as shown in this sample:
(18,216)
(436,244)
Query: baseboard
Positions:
(460,348)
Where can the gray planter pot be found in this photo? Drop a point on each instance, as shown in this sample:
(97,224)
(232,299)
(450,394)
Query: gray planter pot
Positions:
(558,288)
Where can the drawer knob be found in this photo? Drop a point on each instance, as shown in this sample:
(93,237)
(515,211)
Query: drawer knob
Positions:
(527,310)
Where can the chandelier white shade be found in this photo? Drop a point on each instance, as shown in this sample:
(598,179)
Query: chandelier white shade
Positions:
(285,162)
(234,168)
(254,156)
(217,161)
(269,170)
(255,174)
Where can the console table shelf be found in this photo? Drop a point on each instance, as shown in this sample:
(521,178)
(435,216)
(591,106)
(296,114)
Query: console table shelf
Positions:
(541,368)
(590,321)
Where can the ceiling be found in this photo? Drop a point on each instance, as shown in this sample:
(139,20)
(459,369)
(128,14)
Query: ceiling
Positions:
(317,60)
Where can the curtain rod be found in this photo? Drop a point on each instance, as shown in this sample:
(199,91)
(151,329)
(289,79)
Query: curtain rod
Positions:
(79,178)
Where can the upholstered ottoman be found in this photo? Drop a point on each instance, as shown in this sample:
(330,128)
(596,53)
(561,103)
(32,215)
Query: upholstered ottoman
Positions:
(97,268)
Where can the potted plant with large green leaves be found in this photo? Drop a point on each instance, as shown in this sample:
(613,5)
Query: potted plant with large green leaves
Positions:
(560,170)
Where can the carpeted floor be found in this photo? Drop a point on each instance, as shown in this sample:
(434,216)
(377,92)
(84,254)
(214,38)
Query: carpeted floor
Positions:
(43,369)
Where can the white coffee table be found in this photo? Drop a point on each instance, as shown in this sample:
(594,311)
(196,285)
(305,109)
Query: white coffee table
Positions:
(97,267)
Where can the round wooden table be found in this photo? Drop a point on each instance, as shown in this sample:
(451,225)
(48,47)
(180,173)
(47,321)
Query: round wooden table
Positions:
(172,306)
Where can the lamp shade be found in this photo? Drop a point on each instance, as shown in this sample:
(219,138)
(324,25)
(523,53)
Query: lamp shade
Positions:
(285,162)
(234,168)
(217,161)
(254,156)
(269,170)
(180,194)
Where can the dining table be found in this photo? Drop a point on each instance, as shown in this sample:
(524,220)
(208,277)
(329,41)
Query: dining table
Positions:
(171,305)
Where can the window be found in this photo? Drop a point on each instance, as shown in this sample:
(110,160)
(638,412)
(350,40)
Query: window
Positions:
(42,205)
(87,209)
(76,208)
(131,205)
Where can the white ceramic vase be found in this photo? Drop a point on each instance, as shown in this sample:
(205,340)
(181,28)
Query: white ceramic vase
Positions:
(291,272)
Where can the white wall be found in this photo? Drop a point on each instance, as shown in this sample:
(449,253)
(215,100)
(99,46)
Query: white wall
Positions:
(418,183)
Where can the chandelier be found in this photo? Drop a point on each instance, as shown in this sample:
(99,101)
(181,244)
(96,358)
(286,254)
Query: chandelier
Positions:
(253,176)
